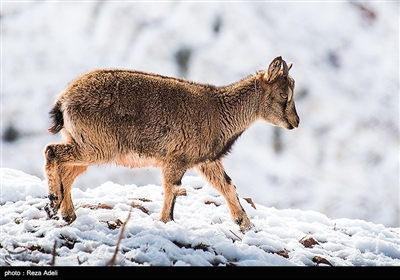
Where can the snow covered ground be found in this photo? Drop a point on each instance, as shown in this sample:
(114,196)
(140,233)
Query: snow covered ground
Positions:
(343,160)
(201,235)
(335,179)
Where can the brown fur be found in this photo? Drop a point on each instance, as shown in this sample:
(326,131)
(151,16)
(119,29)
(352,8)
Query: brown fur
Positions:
(134,118)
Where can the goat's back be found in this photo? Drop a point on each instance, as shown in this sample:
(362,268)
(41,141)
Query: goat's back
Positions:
(123,111)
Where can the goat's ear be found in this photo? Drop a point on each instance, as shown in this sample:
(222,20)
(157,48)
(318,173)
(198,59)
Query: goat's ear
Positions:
(285,69)
(273,69)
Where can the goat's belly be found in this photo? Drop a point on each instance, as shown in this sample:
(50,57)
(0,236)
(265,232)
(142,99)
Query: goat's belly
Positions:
(133,160)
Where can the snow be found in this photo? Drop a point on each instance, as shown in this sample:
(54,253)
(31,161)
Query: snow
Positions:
(202,233)
(335,178)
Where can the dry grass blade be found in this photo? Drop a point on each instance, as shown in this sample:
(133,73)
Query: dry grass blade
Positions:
(236,235)
(141,199)
(114,257)
(140,207)
(308,242)
(145,199)
(319,260)
(95,207)
(114,224)
(250,201)
(283,253)
(53,253)
(211,202)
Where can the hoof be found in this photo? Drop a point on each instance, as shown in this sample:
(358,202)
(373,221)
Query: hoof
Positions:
(247,228)
(50,212)
(69,218)
(166,219)
(244,224)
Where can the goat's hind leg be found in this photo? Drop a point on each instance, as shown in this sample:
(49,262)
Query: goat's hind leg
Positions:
(53,181)
(60,173)
(68,175)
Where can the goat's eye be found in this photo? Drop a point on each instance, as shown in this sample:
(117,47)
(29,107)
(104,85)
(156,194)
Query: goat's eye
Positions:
(284,95)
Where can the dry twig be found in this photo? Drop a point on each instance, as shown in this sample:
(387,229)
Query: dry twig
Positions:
(114,257)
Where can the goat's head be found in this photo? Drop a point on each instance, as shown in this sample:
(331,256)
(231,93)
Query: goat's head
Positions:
(277,104)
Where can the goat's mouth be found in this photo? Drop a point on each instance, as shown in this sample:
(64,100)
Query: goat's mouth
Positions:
(292,124)
(286,123)
(288,126)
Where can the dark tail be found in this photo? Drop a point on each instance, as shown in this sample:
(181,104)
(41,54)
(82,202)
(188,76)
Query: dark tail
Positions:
(57,119)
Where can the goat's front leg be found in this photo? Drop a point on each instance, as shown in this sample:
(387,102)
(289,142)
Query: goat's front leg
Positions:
(172,176)
(215,174)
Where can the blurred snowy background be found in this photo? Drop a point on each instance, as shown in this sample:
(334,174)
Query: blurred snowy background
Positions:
(342,161)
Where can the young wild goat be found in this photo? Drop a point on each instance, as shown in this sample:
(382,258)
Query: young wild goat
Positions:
(135,119)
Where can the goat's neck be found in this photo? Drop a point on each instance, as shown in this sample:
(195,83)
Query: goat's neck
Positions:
(239,104)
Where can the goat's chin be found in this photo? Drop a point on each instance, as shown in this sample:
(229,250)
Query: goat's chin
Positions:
(285,125)
(289,126)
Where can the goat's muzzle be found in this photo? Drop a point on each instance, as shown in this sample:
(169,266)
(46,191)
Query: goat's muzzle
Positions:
(293,123)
